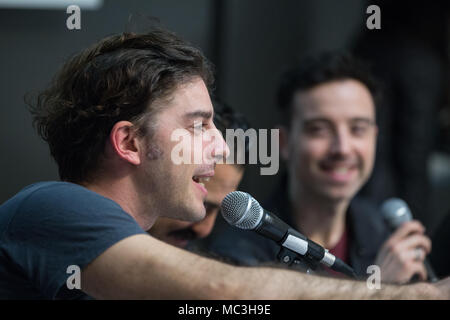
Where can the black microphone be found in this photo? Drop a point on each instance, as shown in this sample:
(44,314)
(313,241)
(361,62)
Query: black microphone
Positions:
(241,210)
(396,212)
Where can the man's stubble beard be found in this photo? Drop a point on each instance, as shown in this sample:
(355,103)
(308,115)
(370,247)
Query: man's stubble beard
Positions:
(180,202)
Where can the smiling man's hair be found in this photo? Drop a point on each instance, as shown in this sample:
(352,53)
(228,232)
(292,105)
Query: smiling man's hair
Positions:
(319,69)
(118,78)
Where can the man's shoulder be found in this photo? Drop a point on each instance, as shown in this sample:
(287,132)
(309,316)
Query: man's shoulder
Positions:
(51,194)
(56,190)
(49,226)
(56,203)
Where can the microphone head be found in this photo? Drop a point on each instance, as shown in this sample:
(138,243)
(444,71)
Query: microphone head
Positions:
(241,210)
(395,212)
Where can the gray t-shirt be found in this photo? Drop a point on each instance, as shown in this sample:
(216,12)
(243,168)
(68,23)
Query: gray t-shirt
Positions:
(49,226)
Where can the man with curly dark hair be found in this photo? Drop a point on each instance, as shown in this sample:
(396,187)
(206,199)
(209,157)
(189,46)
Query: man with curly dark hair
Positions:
(108,118)
(188,234)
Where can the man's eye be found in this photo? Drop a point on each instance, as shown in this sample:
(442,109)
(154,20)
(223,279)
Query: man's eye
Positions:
(317,130)
(199,126)
(359,130)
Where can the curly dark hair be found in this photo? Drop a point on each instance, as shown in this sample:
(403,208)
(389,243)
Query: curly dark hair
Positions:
(325,67)
(116,79)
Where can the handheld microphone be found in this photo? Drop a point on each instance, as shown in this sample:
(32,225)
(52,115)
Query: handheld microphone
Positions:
(396,212)
(241,210)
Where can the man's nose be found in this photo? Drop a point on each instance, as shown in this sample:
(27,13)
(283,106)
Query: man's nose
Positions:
(341,143)
(203,228)
(220,148)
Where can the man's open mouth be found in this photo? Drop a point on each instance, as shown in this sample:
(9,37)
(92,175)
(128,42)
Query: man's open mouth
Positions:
(201,180)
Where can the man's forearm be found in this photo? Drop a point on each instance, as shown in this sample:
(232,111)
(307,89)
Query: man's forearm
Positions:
(270,283)
(141,267)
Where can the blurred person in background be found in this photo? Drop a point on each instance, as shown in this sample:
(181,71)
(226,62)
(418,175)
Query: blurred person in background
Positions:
(328,140)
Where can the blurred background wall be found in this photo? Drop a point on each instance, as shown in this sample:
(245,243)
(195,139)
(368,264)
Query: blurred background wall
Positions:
(250,41)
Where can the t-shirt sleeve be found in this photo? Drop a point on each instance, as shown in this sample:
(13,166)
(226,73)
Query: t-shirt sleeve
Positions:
(64,225)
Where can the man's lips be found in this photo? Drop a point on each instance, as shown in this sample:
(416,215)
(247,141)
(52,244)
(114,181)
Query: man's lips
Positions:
(339,173)
(200,179)
(204,174)
(201,187)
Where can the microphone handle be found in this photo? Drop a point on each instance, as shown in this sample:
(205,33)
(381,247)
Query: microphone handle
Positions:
(276,229)
(342,267)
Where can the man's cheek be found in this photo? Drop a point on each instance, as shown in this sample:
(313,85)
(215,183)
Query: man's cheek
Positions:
(367,154)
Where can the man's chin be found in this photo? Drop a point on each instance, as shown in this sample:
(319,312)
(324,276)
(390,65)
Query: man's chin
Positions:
(199,213)
(194,212)
(340,195)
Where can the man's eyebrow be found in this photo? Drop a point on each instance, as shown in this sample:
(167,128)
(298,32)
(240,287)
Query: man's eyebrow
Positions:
(312,120)
(366,120)
(325,120)
(199,114)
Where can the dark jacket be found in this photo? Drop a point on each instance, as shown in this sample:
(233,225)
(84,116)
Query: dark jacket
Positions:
(367,232)
(440,255)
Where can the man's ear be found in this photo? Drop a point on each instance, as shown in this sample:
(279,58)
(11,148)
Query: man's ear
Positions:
(284,142)
(124,142)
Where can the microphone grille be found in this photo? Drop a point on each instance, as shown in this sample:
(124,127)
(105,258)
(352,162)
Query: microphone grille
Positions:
(241,210)
(396,212)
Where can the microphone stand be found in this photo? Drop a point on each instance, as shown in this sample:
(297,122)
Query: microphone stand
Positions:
(290,257)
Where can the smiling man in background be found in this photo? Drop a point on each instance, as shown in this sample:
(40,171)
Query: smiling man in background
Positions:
(328,141)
